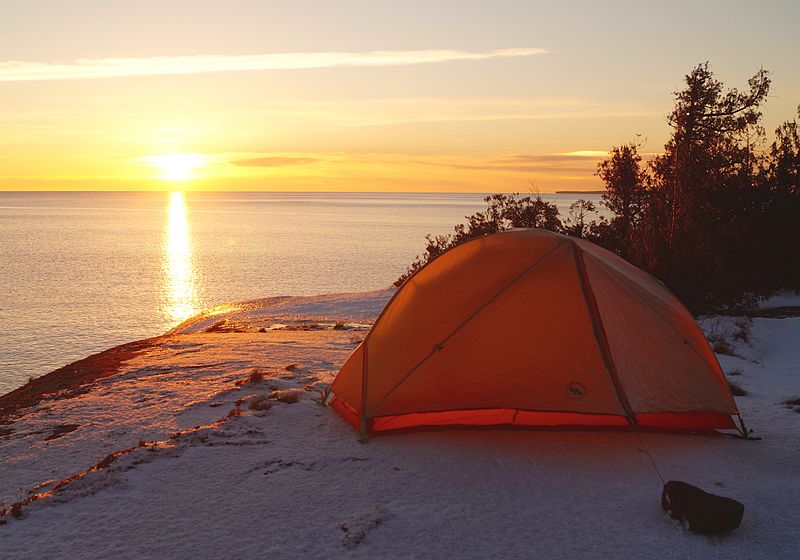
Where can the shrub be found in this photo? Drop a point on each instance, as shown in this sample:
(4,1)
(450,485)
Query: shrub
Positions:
(503,212)
(256,376)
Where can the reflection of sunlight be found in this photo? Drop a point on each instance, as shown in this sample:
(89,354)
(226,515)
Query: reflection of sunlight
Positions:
(179,294)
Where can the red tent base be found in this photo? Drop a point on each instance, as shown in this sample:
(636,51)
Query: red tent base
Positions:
(689,421)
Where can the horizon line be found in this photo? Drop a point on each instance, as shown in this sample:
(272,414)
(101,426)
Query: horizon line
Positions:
(526,193)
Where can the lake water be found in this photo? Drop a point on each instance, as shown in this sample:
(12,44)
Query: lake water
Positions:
(81,272)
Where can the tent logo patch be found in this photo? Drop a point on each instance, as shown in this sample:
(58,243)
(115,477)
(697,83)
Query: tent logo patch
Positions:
(575,390)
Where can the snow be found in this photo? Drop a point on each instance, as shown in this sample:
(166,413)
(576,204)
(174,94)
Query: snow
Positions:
(782,299)
(349,308)
(293,481)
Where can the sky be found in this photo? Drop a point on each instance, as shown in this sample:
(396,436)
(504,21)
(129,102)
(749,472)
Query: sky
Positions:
(448,96)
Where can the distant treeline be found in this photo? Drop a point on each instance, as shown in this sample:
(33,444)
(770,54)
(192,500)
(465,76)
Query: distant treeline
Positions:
(716,216)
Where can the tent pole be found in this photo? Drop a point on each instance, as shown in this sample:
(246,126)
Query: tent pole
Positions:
(600,336)
(364,419)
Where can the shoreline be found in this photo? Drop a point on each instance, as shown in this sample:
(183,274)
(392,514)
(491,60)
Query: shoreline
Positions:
(356,308)
(71,378)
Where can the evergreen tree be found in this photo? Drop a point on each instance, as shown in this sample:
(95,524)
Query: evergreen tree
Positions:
(779,222)
(704,184)
(625,195)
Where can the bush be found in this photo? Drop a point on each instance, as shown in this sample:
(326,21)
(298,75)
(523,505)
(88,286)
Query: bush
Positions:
(503,212)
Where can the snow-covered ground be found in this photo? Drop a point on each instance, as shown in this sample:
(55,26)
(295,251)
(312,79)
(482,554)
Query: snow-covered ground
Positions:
(159,460)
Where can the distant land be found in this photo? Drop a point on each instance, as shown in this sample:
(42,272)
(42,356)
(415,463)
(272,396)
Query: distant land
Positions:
(581,192)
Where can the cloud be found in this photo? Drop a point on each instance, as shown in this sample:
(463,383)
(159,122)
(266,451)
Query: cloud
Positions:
(545,163)
(99,68)
(587,154)
(275,161)
(581,161)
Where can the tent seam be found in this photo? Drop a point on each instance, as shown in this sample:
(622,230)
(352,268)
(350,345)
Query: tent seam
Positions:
(600,335)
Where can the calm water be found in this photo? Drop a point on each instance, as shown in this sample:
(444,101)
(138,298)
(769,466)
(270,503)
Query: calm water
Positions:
(81,272)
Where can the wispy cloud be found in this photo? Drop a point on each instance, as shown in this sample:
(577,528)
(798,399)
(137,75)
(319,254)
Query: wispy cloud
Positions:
(99,68)
(275,161)
(585,160)
(580,161)
(587,154)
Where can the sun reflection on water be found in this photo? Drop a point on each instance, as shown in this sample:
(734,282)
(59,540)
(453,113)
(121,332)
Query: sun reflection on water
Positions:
(179,300)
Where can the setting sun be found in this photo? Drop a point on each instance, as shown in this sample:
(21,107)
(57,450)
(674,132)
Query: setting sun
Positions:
(176,167)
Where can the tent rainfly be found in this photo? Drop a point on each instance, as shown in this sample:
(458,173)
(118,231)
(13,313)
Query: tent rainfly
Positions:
(533,328)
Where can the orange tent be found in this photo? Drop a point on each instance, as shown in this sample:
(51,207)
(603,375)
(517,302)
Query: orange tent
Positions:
(529,327)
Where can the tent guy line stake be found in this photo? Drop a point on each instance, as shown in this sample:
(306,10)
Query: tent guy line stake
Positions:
(742,428)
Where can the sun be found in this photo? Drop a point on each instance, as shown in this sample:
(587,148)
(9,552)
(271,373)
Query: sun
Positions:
(176,167)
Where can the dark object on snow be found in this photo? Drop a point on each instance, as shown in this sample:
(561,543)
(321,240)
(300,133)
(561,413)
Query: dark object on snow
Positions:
(700,511)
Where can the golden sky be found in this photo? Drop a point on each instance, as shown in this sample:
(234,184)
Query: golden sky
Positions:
(359,96)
